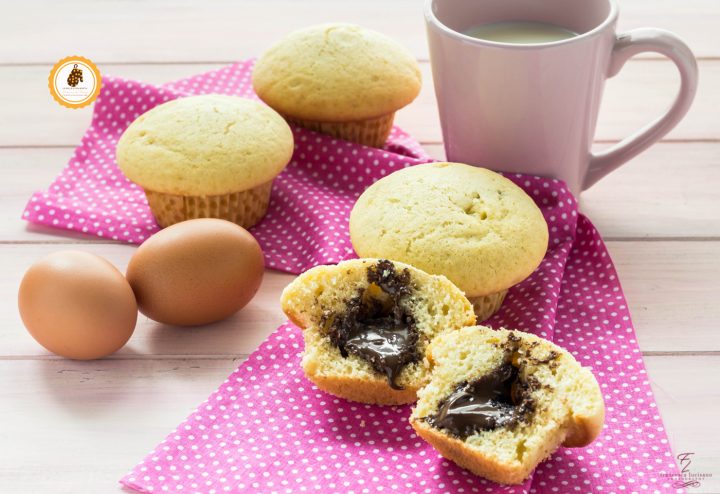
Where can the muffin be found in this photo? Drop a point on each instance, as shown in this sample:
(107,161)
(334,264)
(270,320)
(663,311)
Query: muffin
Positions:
(208,156)
(499,402)
(338,79)
(367,323)
(470,224)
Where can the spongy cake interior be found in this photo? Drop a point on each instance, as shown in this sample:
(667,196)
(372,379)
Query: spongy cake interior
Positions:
(316,296)
(567,401)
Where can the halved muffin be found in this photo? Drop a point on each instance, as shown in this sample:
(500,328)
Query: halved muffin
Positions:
(367,324)
(499,402)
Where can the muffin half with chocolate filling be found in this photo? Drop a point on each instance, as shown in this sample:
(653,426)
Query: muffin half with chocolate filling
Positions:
(367,324)
(499,402)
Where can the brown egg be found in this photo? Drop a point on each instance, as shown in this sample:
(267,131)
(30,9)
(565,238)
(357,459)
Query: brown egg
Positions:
(196,272)
(77,305)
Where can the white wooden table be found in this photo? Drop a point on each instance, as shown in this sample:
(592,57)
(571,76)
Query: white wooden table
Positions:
(78,426)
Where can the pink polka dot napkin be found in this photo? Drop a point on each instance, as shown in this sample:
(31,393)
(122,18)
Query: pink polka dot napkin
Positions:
(267,429)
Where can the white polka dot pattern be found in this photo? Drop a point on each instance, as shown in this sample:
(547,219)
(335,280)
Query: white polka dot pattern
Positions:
(267,429)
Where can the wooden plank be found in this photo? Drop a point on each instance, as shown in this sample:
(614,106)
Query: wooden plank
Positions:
(670,288)
(26,171)
(641,92)
(659,194)
(71,427)
(687,391)
(225,30)
(78,427)
(686,206)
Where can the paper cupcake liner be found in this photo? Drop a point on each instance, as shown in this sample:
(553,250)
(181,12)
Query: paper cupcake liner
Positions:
(373,132)
(246,207)
(487,305)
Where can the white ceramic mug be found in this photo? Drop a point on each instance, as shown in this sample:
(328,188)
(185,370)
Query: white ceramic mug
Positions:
(533,108)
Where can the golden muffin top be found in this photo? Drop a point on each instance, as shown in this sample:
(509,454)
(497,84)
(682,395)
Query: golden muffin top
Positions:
(205,145)
(470,224)
(337,73)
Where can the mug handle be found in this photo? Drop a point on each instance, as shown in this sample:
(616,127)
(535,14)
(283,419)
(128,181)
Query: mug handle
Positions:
(626,46)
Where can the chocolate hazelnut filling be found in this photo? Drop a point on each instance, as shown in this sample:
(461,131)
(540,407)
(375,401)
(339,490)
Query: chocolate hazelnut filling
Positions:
(375,325)
(501,398)
(495,400)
